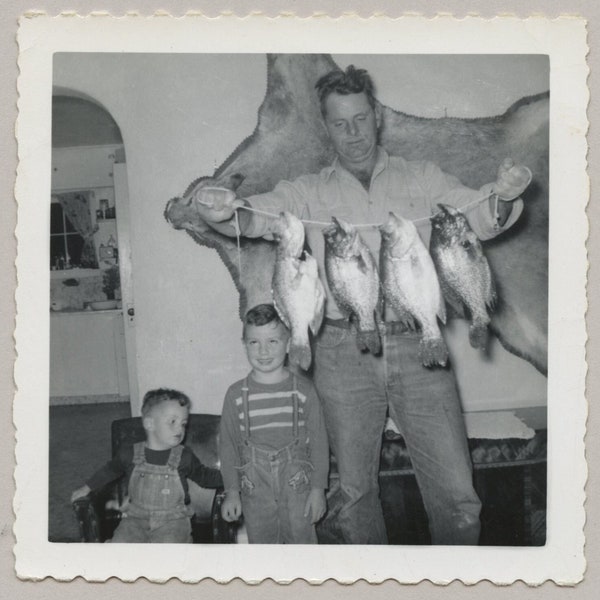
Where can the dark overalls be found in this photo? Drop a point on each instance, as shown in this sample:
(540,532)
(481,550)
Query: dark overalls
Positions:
(275,485)
(156,509)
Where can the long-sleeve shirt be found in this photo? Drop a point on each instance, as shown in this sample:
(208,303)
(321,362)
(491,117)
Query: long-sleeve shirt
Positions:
(189,468)
(270,413)
(411,189)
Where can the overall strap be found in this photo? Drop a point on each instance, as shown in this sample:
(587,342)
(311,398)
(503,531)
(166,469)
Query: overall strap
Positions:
(295,405)
(245,407)
(175,457)
(139,454)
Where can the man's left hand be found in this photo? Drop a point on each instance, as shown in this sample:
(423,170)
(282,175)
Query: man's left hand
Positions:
(512,180)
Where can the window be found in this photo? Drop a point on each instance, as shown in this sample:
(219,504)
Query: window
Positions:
(65,243)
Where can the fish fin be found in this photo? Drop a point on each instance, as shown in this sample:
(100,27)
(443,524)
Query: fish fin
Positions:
(453,300)
(280,312)
(441,311)
(369,341)
(433,351)
(300,354)
(364,260)
(317,319)
(492,300)
(478,335)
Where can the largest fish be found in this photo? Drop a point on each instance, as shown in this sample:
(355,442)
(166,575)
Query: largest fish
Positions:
(410,286)
(298,294)
(354,281)
(463,270)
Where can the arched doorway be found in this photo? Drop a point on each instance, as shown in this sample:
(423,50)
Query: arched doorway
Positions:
(92,357)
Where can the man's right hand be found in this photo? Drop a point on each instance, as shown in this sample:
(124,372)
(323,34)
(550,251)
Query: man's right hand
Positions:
(231,509)
(215,204)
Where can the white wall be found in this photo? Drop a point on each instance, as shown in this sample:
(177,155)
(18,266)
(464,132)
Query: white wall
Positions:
(180,116)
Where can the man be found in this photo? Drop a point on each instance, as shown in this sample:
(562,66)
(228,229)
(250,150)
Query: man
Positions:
(362,186)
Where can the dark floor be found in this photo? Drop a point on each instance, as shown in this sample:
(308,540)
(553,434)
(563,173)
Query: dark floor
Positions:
(79,444)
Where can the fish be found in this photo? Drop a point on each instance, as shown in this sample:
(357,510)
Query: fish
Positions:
(463,270)
(353,279)
(298,293)
(410,285)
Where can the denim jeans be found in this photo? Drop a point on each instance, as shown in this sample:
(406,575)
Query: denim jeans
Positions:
(356,390)
(274,489)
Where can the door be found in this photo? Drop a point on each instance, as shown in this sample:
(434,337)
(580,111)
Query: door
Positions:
(126,273)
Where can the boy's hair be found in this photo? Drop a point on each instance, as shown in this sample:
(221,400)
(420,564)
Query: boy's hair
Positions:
(350,81)
(155,398)
(259,315)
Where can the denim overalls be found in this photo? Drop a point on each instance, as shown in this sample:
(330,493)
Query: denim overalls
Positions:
(156,510)
(275,485)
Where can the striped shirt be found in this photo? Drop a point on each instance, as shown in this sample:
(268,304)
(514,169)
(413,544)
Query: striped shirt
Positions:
(270,408)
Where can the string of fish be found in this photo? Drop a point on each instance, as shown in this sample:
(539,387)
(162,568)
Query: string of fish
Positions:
(238,234)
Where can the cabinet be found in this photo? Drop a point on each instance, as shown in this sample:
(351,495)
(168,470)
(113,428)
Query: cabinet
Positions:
(87,357)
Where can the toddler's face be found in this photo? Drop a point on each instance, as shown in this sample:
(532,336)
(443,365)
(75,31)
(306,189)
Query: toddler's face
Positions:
(266,346)
(165,425)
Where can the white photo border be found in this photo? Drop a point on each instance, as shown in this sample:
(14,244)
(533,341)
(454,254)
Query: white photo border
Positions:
(561,559)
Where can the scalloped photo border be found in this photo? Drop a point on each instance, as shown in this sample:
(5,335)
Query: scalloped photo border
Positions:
(564,40)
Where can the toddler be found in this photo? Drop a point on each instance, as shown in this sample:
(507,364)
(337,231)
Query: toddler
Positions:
(158,508)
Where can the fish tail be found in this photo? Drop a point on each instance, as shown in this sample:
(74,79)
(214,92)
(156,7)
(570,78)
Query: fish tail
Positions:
(300,354)
(433,351)
(369,340)
(478,335)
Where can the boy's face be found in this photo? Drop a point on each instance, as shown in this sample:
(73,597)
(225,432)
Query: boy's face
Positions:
(266,346)
(165,425)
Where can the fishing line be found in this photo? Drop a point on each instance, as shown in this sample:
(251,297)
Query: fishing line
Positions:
(357,225)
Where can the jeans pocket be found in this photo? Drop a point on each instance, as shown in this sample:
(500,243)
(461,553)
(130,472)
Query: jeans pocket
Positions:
(332,337)
(300,481)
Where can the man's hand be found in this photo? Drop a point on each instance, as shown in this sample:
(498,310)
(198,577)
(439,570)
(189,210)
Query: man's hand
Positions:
(84,490)
(231,509)
(315,506)
(215,204)
(512,180)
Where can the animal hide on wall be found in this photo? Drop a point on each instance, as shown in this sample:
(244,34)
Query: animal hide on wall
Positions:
(290,140)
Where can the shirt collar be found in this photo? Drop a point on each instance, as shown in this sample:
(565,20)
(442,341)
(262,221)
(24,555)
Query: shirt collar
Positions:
(383,160)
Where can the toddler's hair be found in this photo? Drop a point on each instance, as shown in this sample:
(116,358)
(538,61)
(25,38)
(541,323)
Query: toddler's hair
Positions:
(154,398)
(259,315)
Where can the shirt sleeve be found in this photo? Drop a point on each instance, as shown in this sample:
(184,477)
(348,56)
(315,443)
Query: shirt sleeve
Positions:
(112,470)
(199,473)
(229,440)
(317,435)
(287,195)
(448,189)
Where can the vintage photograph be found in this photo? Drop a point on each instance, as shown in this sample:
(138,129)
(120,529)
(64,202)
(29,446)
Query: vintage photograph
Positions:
(298,298)
(391,273)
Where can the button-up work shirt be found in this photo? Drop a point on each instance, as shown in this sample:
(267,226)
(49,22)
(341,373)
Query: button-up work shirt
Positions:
(411,189)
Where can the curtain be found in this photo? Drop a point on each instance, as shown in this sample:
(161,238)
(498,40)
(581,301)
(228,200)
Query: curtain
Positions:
(76,206)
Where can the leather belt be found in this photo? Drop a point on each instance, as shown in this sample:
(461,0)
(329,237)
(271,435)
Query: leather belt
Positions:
(385,327)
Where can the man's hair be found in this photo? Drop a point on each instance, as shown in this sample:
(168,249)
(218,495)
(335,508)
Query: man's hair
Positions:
(261,314)
(350,81)
(155,398)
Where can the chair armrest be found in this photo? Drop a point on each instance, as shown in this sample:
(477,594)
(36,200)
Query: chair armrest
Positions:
(87,517)
(223,532)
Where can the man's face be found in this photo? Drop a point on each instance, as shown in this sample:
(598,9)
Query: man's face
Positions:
(165,425)
(352,126)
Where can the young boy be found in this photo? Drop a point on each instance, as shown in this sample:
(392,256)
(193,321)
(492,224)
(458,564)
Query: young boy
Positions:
(157,470)
(273,442)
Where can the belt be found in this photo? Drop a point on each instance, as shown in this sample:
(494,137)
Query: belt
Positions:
(385,327)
